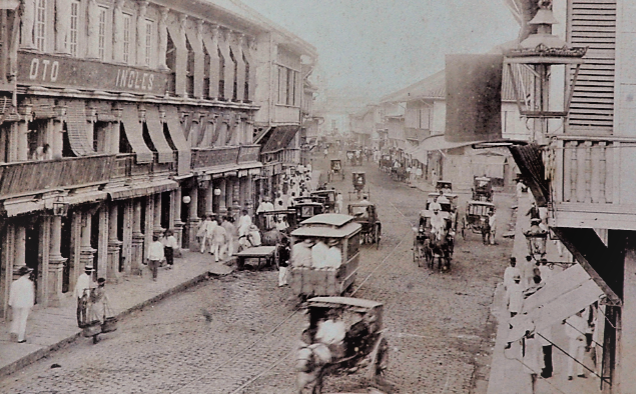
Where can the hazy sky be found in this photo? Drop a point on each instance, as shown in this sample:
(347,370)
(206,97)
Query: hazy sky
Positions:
(374,47)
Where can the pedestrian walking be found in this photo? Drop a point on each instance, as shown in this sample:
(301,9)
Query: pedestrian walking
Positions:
(284,254)
(534,212)
(492,223)
(510,273)
(514,296)
(99,304)
(575,327)
(21,300)
(201,234)
(230,230)
(170,246)
(531,358)
(219,242)
(82,291)
(155,256)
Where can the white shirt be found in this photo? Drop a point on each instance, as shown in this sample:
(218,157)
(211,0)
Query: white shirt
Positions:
(434,205)
(22,293)
(514,297)
(575,327)
(319,254)
(333,259)
(509,274)
(301,255)
(83,283)
(437,222)
(265,206)
(244,224)
(155,251)
(170,242)
(331,332)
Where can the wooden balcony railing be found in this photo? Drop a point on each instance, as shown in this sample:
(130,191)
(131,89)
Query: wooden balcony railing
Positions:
(213,157)
(586,169)
(249,153)
(40,176)
(286,156)
(125,166)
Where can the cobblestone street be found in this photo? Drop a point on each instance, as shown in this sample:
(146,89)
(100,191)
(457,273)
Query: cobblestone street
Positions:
(437,324)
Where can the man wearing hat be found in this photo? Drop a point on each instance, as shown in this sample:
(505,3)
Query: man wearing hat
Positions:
(82,291)
(21,300)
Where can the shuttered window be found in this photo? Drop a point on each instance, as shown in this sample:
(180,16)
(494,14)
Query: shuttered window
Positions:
(592,23)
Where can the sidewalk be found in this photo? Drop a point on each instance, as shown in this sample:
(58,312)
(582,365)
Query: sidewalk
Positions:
(49,329)
(507,374)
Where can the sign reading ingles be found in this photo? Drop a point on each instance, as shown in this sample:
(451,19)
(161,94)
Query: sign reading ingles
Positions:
(68,72)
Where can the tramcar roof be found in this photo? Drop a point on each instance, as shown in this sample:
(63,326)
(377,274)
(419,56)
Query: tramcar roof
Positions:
(327,225)
(473,202)
(349,301)
(331,219)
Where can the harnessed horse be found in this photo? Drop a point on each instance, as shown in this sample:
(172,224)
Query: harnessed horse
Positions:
(439,246)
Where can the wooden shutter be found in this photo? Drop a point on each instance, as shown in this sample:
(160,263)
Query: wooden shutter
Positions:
(592,23)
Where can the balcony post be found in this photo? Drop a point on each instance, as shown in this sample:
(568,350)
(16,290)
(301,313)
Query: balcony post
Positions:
(157,229)
(193,219)
(150,221)
(209,195)
(44,247)
(57,136)
(127,236)
(56,262)
(222,197)
(76,244)
(114,244)
(137,240)
(175,215)
(20,248)
(22,142)
(86,250)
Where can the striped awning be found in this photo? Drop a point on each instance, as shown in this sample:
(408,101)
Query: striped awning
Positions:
(142,189)
(178,139)
(155,130)
(76,127)
(134,134)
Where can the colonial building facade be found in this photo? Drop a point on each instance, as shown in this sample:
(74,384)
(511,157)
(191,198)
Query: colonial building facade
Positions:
(121,119)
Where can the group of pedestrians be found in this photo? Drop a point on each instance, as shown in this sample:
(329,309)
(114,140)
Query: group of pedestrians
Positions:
(93,305)
(218,238)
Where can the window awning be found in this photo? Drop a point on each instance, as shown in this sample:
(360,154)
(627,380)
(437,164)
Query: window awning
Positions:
(155,129)
(178,139)
(76,127)
(134,133)
(562,296)
(142,189)
(280,137)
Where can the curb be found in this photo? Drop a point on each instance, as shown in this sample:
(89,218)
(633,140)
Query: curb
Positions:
(44,352)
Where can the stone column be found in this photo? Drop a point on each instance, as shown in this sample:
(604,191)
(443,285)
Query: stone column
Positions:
(150,221)
(193,219)
(56,262)
(157,229)
(242,191)
(20,248)
(44,247)
(22,143)
(76,246)
(6,275)
(114,245)
(127,236)
(137,240)
(222,197)
(163,39)
(86,250)
(28,21)
(93,30)
(141,33)
(118,32)
(102,243)
(250,194)
(175,215)
(209,195)
(62,25)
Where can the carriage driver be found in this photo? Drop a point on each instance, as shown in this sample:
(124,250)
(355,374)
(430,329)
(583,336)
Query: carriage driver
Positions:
(438,223)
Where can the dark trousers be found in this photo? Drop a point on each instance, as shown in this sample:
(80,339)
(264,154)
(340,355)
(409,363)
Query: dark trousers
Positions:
(169,254)
(81,312)
(154,266)
(547,362)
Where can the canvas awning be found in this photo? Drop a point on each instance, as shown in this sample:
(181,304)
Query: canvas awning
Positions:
(142,189)
(178,139)
(562,296)
(76,127)
(134,134)
(280,138)
(155,130)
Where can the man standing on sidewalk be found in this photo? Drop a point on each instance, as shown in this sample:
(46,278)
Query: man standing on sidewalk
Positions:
(21,300)
(82,290)
(514,296)
(575,327)
(155,256)
(170,245)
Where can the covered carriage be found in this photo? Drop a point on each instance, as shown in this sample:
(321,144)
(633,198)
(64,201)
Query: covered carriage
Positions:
(358,182)
(434,242)
(366,214)
(476,217)
(335,170)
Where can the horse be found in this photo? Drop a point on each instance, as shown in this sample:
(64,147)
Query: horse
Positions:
(310,366)
(439,246)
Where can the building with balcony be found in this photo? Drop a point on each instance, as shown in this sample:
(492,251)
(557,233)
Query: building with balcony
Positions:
(121,119)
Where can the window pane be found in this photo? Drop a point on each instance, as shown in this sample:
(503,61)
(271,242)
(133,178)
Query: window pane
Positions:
(102,33)
(75,5)
(149,35)
(126,41)
(40,24)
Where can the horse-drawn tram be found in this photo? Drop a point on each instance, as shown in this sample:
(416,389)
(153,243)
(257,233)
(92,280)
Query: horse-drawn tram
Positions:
(325,255)
(345,335)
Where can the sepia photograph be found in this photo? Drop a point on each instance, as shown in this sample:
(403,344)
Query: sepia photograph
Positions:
(317,196)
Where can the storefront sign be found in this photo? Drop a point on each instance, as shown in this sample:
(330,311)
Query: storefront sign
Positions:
(68,72)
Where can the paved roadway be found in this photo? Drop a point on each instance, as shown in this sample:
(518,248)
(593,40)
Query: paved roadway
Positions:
(438,325)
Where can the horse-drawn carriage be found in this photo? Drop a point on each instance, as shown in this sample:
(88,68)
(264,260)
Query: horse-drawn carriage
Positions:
(482,189)
(366,214)
(335,170)
(354,157)
(434,239)
(476,217)
(358,181)
(398,173)
(306,207)
(327,198)
(284,220)
(445,187)
(325,255)
(345,335)
(385,163)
